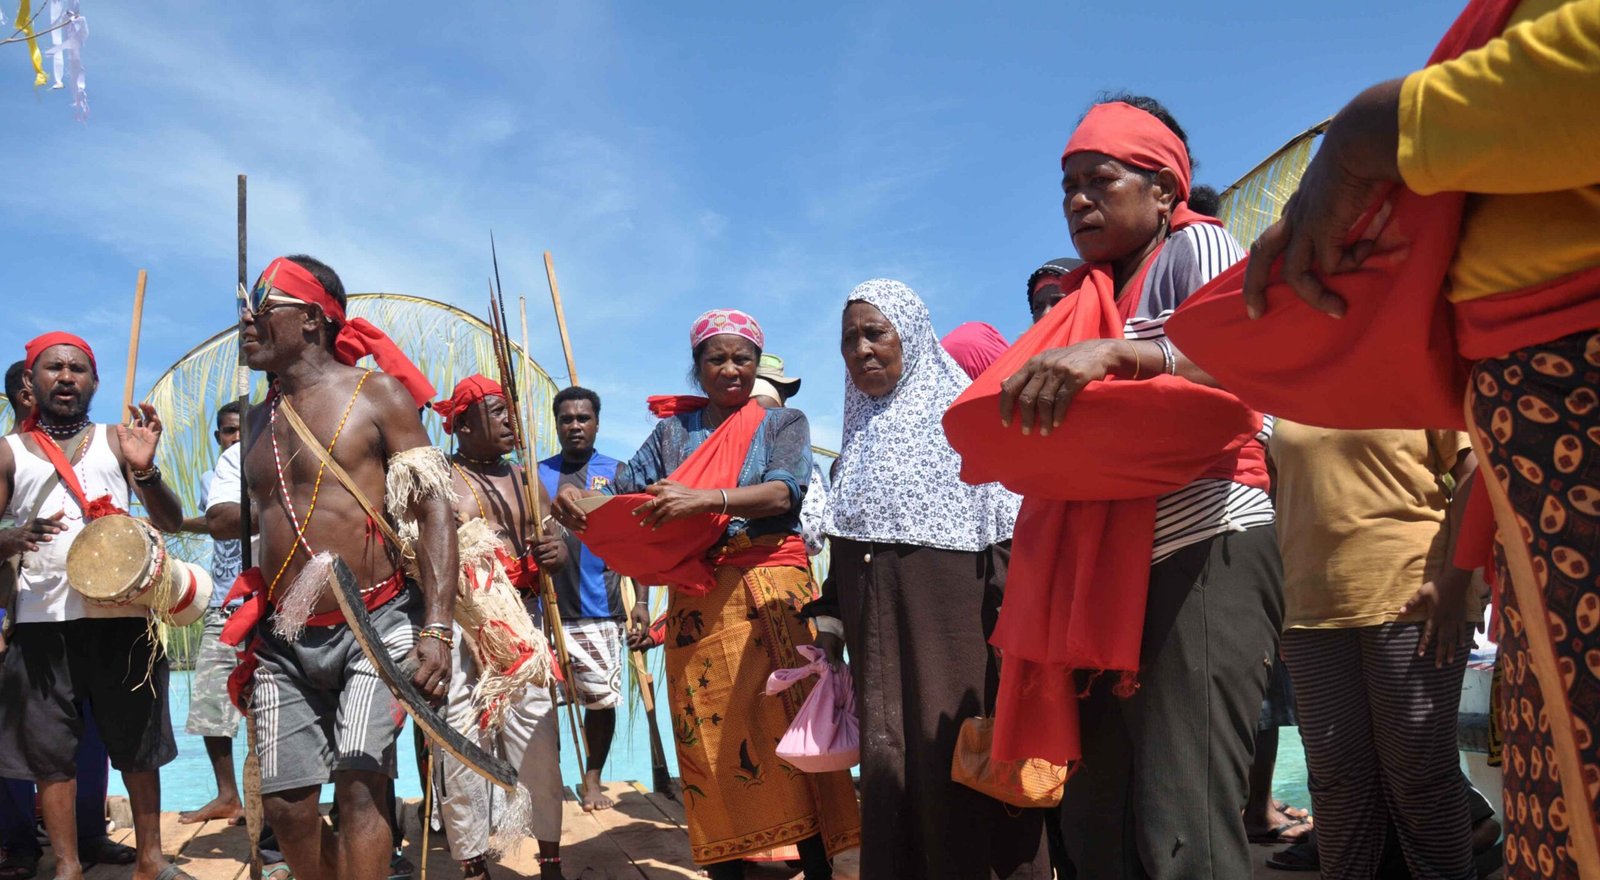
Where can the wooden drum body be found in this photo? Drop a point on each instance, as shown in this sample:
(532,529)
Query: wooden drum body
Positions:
(118,561)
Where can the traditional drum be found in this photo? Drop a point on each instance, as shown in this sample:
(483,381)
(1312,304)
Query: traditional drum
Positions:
(119,560)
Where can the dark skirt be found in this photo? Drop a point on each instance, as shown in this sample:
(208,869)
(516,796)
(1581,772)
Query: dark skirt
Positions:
(917,621)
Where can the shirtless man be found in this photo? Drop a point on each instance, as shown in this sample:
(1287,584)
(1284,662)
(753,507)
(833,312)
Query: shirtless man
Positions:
(489,488)
(63,652)
(321,712)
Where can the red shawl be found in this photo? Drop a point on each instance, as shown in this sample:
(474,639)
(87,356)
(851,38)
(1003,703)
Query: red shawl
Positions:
(1398,359)
(1080,566)
(675,553)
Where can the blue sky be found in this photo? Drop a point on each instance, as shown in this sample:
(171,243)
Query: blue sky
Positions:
(673,156)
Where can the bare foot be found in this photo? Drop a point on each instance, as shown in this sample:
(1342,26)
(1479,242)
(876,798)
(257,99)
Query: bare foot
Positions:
(219,808)
(594,798)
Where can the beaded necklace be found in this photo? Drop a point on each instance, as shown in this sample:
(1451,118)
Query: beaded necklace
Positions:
(316,487)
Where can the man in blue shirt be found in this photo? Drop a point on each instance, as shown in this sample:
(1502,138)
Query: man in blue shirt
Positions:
(586,592)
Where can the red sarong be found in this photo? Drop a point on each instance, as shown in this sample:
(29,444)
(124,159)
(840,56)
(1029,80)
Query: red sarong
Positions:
(1080,566)
(675,553)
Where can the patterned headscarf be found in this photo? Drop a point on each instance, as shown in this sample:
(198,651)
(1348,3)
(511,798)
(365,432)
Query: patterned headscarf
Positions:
(899,481)
(731,321)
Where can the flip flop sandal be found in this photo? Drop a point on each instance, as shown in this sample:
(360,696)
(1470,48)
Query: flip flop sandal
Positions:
(1291,810)
(104,851)
(400,868)
(1300,857)
(475,867)
(279,871)
(173,872)
(1277,835)
(19,867)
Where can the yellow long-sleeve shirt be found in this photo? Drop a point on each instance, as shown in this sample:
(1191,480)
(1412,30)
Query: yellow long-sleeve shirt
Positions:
(1516,122)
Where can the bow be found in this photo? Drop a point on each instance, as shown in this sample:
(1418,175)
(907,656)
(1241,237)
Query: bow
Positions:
(348,594)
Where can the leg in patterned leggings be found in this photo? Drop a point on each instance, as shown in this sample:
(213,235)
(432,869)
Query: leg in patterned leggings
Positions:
(1536,425)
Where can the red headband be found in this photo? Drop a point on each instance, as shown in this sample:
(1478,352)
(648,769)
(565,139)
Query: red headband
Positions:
(56,337)
(467,392)
(357,337)
(1133,137)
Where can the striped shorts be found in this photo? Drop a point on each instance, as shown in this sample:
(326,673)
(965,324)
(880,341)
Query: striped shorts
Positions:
(319,704)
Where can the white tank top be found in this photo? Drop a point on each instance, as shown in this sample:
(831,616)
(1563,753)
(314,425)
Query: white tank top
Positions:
(43,593)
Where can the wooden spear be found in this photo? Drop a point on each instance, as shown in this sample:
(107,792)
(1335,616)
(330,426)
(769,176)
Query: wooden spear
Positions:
(253,818)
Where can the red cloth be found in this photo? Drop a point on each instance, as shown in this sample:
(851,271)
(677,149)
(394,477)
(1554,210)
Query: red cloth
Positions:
(467,392)
(675,553)
(523,572)
(1133,137)
(92,508)
(1396,359)
(357,337)
(975,345)
(1080,567)
(250,587)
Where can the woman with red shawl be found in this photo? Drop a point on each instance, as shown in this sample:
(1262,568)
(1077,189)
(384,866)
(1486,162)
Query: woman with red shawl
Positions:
(1169,581)
(727,463)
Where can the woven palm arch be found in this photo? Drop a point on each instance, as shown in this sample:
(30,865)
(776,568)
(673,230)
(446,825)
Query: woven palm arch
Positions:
(446,342)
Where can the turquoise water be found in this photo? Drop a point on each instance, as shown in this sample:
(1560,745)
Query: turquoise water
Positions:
(187,782)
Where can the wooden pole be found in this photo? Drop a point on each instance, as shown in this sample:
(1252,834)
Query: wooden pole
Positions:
(133,342)
(254,816)
(561,318)
(547,587)
(662,777)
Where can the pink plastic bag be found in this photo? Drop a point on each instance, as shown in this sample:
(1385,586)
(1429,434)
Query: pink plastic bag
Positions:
(824,736)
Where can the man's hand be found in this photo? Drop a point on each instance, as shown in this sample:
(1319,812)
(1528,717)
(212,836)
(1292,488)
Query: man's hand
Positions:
(566,510)
(432,678)
(1444,601)
(639,628)
(551,553)
(1357,160)
(28,538)
(1040,392)
(673,500)
(140,438)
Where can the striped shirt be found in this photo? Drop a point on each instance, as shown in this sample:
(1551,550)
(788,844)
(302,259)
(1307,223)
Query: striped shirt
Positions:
(1205,508)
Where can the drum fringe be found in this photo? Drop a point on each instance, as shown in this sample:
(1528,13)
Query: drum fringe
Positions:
(418,474)
(511,826)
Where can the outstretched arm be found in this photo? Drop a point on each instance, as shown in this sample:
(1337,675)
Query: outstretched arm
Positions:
(136,451)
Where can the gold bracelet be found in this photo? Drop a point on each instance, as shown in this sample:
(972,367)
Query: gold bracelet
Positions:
(1138,364)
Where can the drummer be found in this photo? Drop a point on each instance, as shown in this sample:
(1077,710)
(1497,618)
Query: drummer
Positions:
(58,472)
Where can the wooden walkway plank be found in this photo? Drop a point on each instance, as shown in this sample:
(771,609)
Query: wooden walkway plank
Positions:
(656,845)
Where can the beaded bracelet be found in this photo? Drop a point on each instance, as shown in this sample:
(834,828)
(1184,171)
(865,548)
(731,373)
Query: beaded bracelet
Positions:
(443,636)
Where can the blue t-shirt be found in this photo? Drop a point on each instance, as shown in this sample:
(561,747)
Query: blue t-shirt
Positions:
(585,587)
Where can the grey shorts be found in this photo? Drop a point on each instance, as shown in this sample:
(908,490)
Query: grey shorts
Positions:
(211,712)
(319,704)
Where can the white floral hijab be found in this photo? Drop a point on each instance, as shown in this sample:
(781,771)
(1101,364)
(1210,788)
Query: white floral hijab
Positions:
(899,481)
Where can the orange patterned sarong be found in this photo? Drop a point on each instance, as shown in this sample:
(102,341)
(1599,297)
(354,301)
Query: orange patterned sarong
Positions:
(721,646)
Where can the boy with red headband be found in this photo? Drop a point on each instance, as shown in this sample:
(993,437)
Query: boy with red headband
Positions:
(500,692)
(320,711)
(56,473)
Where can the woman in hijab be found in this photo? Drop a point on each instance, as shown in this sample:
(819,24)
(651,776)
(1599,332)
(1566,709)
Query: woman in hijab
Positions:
(917,567)
(735,624)
(1177,595)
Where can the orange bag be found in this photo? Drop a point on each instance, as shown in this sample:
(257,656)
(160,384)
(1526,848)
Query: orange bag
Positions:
(1030,783)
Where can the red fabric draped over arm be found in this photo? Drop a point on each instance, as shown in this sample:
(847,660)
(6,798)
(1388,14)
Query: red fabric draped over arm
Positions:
(675,553)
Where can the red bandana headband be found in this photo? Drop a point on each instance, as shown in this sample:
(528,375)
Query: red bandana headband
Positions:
(467,392)
(357,337)
(1132,137)
(49,340)
(731,321)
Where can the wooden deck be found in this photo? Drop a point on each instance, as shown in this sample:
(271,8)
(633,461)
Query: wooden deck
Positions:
(642,839)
